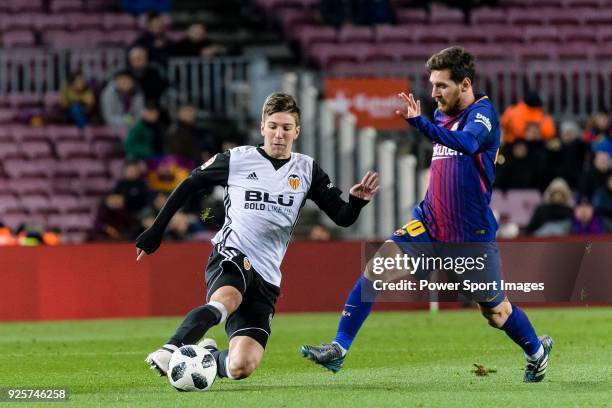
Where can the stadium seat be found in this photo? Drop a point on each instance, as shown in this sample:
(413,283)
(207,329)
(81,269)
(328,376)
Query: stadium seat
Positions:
(290,18)
(353,34)
(72,149)
(411,16)
(386,33)
(104,133)
(23,133)
(604,34)
(465,35)
(577,50)
(309,35)
(64,169)
(98,186)
(61,133)
(486,15)
(90,168)
(70,222)
(14,219)
(560,17)
(424,34)
(528,16)
(8,204)
(21,6)
(37,150)
(597,16)
(70,204)
(9,150)
(117,21)
(22,99)
(19,169)
(504,34)
(582,33)
(23,21)
(324,53)
(444,15)
(85,21)
(6,134)
(46,22)
(37,204)
(541,34)
(7,115)
(62,6)
(522,204)
(120,37)
(539,50)
(105,149)
(18,38)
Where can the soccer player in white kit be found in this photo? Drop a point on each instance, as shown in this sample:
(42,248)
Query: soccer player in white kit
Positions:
(265,188)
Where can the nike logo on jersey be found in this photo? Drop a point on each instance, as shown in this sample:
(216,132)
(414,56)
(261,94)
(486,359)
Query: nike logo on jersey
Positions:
(252,176)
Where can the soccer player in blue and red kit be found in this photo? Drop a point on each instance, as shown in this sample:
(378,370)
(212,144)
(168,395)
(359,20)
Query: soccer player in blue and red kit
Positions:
(455,210)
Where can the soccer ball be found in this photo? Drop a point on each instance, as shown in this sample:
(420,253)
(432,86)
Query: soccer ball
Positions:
(192,368)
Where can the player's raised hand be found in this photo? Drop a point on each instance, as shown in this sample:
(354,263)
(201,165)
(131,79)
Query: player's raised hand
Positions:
(369,186)
(413,107)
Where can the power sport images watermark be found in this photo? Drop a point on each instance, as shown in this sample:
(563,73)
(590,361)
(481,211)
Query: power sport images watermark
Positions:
(525,271)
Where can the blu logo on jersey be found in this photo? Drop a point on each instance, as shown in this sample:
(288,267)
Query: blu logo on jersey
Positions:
(258,196)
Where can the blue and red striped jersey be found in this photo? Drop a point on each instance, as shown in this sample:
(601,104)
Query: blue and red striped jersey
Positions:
(456,205)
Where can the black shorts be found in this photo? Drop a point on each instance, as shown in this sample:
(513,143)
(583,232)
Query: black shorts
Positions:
(253,318)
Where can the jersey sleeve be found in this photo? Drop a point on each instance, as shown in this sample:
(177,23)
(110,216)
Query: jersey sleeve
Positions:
(475,135)
(214,172)
(328,198)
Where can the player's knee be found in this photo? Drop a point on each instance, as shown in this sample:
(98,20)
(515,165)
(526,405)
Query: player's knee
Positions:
(242,367)
(229,296)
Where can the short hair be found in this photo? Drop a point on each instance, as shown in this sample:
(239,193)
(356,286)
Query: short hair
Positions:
(457,60)
(280,102)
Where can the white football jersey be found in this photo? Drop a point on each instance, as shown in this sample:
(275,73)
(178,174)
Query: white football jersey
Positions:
(262,205)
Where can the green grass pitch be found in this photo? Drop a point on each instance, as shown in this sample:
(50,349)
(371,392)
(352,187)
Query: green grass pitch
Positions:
(399,359)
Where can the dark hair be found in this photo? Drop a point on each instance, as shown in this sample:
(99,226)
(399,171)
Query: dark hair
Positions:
(152,15)
(74,75)
(123,72)
(457,60)
(280,102)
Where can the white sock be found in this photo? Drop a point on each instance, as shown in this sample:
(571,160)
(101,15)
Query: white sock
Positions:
(537,354)
(221,308)
(344,351)
(227,369)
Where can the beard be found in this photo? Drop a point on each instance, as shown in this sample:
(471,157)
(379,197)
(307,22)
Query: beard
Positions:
(449,106)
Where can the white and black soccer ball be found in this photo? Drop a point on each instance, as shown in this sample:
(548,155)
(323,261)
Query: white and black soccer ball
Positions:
(192,368)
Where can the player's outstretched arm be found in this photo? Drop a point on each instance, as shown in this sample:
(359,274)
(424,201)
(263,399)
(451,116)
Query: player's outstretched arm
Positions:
(467,141)
(213,172)
(327,196)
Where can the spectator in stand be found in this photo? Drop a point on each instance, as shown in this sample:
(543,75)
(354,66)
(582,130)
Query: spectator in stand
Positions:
(585,221)
(146,75)
(596,175)
(132,187)
(516,118)
(137,7)
(114,222)
(6,236)
(121,100)
(319,232)
(359,12)
(188,141)
(154,40)
(179,227)
(146,139)
(523,162)
(166,173)
(566,156)
(196,44)
(78,99)
(598,128)
(554,216)
(147,215)
(602,201)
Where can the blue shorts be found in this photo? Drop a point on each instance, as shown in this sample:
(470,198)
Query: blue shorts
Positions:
(484,283)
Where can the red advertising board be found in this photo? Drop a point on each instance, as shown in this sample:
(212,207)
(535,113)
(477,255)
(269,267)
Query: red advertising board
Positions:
(373,101)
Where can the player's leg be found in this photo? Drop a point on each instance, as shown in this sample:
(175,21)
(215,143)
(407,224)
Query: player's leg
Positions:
(226,283)
(248,330)
(362,296)
(241,359)
(515,323)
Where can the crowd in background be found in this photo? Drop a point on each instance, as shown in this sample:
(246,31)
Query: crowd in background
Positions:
(569,162)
